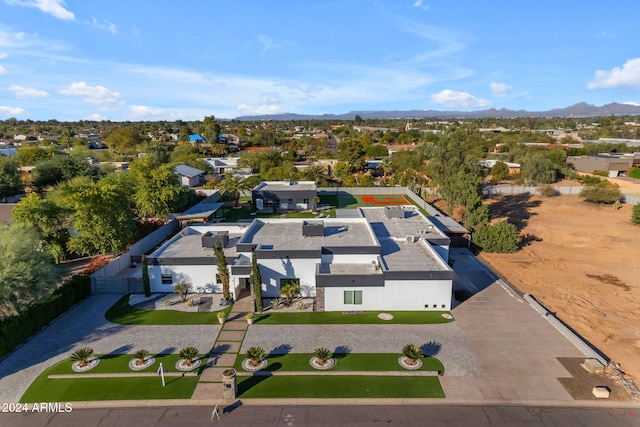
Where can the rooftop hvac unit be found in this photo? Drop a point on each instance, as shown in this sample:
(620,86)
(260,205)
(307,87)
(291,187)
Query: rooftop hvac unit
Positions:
(411,239)
(374,265)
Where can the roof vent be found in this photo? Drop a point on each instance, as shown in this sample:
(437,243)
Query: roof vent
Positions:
(313,228)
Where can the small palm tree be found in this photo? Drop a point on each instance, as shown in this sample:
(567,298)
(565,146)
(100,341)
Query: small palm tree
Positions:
(189,354)
(83,356)
(234,186)
(412,352)
(141,356)
(255,355)
(322,354)
(182,289)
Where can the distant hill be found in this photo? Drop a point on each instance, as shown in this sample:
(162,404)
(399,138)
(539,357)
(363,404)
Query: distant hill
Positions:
(580,109)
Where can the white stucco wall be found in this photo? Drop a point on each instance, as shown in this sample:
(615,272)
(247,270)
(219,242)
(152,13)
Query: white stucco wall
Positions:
(395,295)
(272,270)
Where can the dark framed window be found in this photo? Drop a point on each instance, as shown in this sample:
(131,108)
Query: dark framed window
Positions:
(353,297)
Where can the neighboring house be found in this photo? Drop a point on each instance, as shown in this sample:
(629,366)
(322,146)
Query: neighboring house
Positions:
(222,165)
(614,164)
(283,196)
(490,163)
(188,176)
(390,258)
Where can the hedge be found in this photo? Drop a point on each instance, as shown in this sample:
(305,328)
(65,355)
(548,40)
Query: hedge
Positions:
(15,330)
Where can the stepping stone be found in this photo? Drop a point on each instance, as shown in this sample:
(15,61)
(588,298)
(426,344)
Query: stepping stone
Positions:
(226,346)
(231,336)
(221,360)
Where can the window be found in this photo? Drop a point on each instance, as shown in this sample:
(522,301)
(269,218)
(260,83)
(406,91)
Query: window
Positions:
(218,278)
(167,279)
(353,297)
(305,202)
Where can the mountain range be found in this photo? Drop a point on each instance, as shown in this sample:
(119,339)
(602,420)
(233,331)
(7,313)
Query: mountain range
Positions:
(580,109)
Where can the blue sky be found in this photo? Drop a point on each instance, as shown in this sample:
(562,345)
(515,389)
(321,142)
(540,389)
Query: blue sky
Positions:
(166,60)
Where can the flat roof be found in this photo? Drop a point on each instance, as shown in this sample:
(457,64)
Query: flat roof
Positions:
(188,244)
(286,234)
(399,255)
(286,186)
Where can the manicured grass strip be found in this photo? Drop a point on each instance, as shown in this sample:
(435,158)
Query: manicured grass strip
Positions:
(339,387)
(336,317)
(82,389)
(344,362)
(115,363)
(124,314)
(422,211)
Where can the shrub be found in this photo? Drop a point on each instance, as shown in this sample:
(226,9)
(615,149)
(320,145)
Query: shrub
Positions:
(589,180)
(546,190)
(602,192)
(221,315)
(634,173)
(412,352)
(502,237)
(94,265)
(635,214)
(83,356)
(142,355)
(182,289)
(600,173)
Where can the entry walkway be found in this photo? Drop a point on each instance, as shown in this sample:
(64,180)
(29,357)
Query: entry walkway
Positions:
(225,350)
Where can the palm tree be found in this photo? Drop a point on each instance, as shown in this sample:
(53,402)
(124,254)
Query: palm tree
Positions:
(385,164)
(83,356)
(141,356)
(182,289)
(234,186)
(255,355)
(322,354)
(412,353)
(189,354)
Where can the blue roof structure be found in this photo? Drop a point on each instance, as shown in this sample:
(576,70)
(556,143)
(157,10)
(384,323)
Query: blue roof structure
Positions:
(196,137)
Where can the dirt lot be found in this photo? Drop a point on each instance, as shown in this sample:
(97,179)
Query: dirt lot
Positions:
(582,262)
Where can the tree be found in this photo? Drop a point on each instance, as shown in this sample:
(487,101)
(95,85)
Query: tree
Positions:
(210,129)
(502,237)
(255,355)
(602,192)
(10,183)
(49,220)
(499,172)
(234,186)
(377,150)
(83,356)
(27,273)
(540,169)
(124,140)
(182,289)
(223,270)
(365,181)
(101,215)
(257,282)
(56,169)
(157,189)
(289,288)
(352,152)
(30,155)
(635,215)
(145,277)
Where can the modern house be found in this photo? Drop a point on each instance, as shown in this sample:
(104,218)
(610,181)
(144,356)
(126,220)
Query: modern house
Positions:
(283,196)
(222,165)
(615,164)
(188,176)
(390,258)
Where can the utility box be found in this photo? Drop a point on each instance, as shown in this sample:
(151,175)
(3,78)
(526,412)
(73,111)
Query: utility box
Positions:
(229,385)
(209,239)
(394,212)
(313,228)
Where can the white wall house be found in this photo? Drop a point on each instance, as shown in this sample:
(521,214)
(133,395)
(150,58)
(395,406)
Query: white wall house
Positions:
(377,261)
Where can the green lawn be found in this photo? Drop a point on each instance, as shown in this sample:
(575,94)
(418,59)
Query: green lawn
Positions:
(344,362)
(124,314)
(339,387)
(336,317)
(84,388)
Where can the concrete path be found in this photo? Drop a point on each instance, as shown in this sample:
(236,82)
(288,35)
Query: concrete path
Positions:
(85,325)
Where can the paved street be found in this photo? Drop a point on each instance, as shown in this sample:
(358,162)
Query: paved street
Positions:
(323,415)
(85,325)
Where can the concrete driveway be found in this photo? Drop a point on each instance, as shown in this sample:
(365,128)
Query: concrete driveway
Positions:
(85,325)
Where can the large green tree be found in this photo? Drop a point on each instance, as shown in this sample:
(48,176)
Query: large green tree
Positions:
(27,273)
(48,219)
(10,183)
(125,140)
(56,169)
(157,189)
(101,216)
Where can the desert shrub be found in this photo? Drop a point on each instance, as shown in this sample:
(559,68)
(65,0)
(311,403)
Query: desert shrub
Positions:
(602,192)
(142,355)
(546,190)
(600,173)
(189,354)
(502,237)
(322,354)
(635,214)
(412,352)
(83,356)
(589,180)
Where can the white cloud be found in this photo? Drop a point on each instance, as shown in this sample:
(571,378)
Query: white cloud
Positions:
(27,92)
(452,99)
(267,105)
(626,76)
(11,111)
(3,55)
(266,42)
(420,5)
(145,112)
(105,25)
(54,7)
(3,70)
(500,90)
(90,94)
(95,118)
